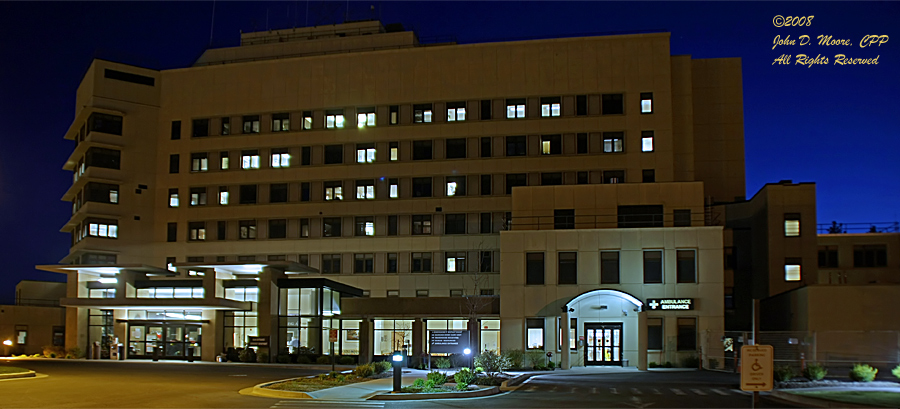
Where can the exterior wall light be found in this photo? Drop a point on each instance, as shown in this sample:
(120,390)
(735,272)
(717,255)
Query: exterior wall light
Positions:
(7,342)
(106,280)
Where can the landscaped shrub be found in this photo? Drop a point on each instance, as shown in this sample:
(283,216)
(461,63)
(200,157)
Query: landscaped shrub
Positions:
(53,351)
(535,358)
(382,366)
(653,365)
(896,371)
(783,373)
(303,359)
(863,373)
(667,364)
(364,370)
(464,378)
(814,372)
(347,360)
(437,377)
(283,359)
(323,360)
(248,355)
(551,365)
(69,356)
(516,357)
(263,357)
(491,362)
(442,363)
(76,352)
(690,362)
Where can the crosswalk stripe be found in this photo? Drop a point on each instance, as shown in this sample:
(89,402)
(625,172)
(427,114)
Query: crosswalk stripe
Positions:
(720,392)
(699,392)
(613,391)
(656,391)
(636,391)
(593,390)
(678,392)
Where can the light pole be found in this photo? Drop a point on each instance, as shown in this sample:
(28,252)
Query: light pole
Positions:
(468,352)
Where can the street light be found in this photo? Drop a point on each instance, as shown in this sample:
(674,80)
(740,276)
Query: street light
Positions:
(397,362)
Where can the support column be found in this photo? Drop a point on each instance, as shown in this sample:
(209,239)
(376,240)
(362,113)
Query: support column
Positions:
(366,340)
(474,336)
(642,341)
(418,339)
(564,328)
(267,309)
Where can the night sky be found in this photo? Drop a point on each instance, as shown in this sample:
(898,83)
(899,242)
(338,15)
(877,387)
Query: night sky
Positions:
(830,124)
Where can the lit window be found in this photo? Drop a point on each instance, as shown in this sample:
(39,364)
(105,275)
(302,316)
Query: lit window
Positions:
(456,111)
(365,119)
(365,153)
(792,271)
(223,195)
(365,226)
(545,147)
(613,142)
(365,189)
(395,114)
(251,124)
(534,333)
(199,162)
(646,102)
(551,145)
(550,106)
(197,231)
(307,120)
(173,197)
(102,228)
(395,151)
(280,158)
(250,160)
(791,225)
(223,160)
(281,122)
(647,141)
(198,196)
(334,119)
(515,108)
(394,189)
(456,262)
(422,113)
(451,188)
(333,191)
(114,196)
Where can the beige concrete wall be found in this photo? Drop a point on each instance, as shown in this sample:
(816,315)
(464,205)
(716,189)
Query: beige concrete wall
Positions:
(38,321)
(28,291)
(846,273)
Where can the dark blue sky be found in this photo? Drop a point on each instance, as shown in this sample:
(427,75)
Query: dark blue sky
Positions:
(834,125)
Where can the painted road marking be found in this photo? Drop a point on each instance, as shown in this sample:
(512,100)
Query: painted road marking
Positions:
(656,391)
(699,392)
(613,391)
(720,392)
(636,391)
(593,390)
(678,392)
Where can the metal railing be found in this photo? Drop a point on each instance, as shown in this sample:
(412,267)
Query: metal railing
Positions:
(601,221)
(874,227)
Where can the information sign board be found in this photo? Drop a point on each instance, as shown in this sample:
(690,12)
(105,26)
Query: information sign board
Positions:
(448,341)
(756,368)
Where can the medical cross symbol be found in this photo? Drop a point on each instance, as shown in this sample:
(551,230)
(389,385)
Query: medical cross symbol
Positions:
(653,304)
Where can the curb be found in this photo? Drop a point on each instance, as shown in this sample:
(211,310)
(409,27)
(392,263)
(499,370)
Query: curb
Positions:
(813,402)
(260,390)
(514,383)
(29,374)
(442,395)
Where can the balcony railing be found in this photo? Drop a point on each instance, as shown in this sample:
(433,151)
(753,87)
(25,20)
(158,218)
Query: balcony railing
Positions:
(841,228)
(602,221)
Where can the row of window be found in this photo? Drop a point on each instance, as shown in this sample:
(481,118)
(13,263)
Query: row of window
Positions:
(95,192)
(100,158)
(686,336)
(567,267)
(868,255)
(515,108)
(455,148)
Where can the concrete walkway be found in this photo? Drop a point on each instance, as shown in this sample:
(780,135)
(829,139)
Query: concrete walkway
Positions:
(365,390)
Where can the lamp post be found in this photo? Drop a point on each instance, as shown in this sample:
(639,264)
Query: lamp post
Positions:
(397,362)
(468,352)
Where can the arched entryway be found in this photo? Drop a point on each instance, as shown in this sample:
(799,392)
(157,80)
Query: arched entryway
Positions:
(606,328)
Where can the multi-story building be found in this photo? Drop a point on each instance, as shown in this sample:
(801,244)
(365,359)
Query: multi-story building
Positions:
(348,177)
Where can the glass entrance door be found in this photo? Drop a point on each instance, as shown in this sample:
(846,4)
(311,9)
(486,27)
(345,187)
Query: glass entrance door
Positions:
(173,340)
(603,343)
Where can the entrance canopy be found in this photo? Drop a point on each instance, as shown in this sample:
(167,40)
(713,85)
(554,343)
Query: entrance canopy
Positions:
(598,299)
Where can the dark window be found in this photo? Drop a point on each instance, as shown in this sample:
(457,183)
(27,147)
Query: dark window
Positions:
(456,148)
(392,262)
(563,219)
(363,263)
(581,143)
(456,185)
(393,225)
(455,224)
(729,298)
(305,156)
(515,179)
(173,163)
(654,334)
(226,126)
(176,130)
(422,187)
(551,145)
(486,147)
(364,226)
(248,194)
(111,124)
(551,179)
(172,232)
(331,264)
(221,230)
(613,104)
(646,102)
(568,267)
(653,271)
(334,154)
(486,185)
(485,222)
(609,267)
(200,128)
(534,268)
(872,255)
(682,217)
(686,266)
(515,145)
(278,193)
(304,191)
(394,114)
(640,216)
(422,113)
(128,77)
(247,229)
(485,109)
(251,124)
(102,158)
(421,224)
(422,150)
(486,261)
(421,262)
(196,232)
(581,105)
(687,334)
(102,193)
(331,227)
(277,228)
(828,256)
(582,178)
(304,229)
(648,176)
(730,258)
(613,176)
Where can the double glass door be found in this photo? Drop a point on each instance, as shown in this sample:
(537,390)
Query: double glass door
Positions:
(603,344)
(173,340)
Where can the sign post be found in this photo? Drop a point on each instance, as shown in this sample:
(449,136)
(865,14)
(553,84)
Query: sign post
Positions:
(756,369)
(448,341)
(332,338)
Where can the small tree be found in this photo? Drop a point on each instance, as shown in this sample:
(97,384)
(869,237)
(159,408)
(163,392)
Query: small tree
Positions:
(492,363)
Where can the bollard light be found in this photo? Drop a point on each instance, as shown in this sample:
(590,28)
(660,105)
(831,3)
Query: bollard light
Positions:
(7,342)
(397,359)
(467,351)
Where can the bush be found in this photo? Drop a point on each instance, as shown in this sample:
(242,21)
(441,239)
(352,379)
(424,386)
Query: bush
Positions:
(232,355)
(783,373)
(814,372)
(464,378)
(667,364)
(263,357)
(76,352)
(437,377)
(516,357)
(53,351)
(491,363)
(896,371)
(653,365)
(323,360)
(347,360)
(863,373)
(690,362)
(442,363)
(303,359)
(248,355)
(69,356)
(551,365)
(382,366)
(365,370)
(535,358)
(283,359)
